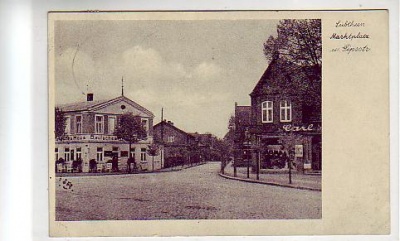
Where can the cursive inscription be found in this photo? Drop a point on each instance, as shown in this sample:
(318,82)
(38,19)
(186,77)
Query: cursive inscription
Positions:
(347,24)
(347,32)
(349,36)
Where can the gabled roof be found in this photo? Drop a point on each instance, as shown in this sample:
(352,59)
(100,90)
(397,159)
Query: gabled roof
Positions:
(243,115)
(98,104)
(165,123)
(282,75)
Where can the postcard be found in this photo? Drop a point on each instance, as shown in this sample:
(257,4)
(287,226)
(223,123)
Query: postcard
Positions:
(208,123)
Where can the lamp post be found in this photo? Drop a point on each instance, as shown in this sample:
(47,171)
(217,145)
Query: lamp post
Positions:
(247,145)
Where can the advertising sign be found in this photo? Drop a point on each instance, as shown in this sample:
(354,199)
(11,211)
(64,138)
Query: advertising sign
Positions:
(298,150)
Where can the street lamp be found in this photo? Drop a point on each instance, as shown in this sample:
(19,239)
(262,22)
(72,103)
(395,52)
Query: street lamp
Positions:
(247,145)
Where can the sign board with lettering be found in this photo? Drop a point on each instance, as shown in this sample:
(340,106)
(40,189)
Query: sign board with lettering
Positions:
(298,150)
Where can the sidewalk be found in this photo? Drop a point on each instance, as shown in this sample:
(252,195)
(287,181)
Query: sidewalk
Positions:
(122,172)
(299,181)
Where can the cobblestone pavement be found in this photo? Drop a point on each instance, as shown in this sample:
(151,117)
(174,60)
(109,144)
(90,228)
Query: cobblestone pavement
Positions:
(194,193)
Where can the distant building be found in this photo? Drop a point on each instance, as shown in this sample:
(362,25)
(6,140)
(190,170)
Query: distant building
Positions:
(179,146)
(281,118)
(89,135)
(242,124)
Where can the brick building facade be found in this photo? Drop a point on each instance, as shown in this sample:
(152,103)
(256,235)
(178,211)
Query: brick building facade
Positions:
(282,119)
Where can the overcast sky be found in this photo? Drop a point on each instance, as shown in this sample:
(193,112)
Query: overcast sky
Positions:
(196,70)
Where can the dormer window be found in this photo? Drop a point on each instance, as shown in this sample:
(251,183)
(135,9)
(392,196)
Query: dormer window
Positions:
(267,112)
(286,111)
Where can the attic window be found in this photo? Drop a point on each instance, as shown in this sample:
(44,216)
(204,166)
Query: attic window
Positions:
(123,107)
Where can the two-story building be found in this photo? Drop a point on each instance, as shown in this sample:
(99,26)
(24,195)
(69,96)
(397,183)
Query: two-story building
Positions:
(179,146)
(89,134)
(285,114)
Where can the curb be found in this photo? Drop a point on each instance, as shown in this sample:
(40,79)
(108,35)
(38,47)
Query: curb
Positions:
(269,183)
(65,174)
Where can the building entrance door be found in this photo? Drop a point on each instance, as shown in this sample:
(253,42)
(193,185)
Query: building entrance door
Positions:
(316,154)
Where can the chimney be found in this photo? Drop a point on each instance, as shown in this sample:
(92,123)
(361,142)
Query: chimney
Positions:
(89,97)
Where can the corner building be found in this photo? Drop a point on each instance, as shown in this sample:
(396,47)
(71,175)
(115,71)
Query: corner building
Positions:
(282,118)
(89,134)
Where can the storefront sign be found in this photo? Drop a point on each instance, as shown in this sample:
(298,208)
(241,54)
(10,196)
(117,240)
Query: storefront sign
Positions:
(298,150)
(108,153)
(290,127)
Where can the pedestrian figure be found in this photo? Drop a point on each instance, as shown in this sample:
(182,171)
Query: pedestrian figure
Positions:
(114,163)
(131,160)
(92,165)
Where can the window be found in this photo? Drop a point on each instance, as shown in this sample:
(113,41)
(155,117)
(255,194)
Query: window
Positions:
(68,125)
(66,154)
(132,153)
(145,125)
(78,120)
(171,138)
(99,124)
(111,125)
(267,112)
(56,151)
(99,156)
(143,154)
(286,111)
(72,154)
(78,153)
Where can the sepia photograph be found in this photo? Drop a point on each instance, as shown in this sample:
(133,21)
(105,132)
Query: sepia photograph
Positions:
(217,119)
(218,123)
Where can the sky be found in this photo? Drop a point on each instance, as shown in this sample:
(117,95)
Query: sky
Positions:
(195,69)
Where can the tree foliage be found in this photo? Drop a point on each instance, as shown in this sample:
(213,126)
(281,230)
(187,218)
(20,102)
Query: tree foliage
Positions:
(59,124)
(298,42)
(130,128)
(297,55)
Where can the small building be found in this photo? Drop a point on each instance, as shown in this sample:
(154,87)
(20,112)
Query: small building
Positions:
(179,146)
(242,124)
(89,135)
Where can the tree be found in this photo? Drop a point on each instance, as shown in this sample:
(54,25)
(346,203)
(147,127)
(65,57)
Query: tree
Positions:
(229,138)
(296,52)
(130,129)
(153,151)
(59,124)
(298,42)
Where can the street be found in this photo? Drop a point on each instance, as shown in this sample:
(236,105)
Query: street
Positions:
(193,193)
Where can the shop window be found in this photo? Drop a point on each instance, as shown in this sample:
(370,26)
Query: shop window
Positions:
(99,156)
(267,112)
(72,154)
(78,153)
(66,154)
(143,154)
(286,111)
(78,120)
(99,121)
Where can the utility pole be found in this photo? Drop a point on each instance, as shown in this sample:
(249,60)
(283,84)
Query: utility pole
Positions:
(258,164)
(162,134)
(122,86)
